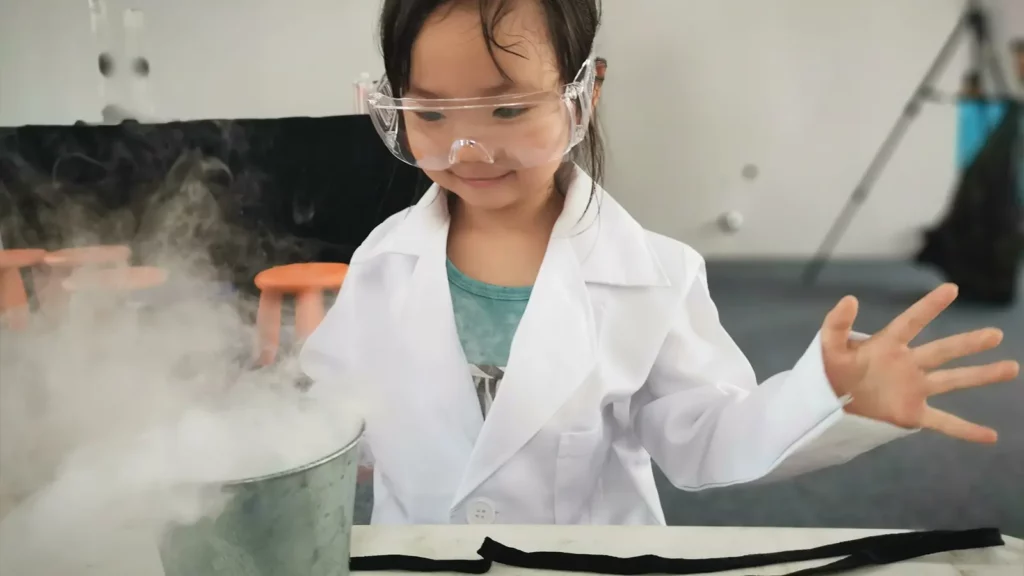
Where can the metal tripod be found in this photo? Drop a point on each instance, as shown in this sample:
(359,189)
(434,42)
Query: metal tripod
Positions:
(973,20)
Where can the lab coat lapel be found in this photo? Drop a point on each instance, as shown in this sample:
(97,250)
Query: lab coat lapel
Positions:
(435,404)
(554,348)
(552,353)
(445,393)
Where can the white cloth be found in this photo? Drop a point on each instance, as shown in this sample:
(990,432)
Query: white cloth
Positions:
(619,358)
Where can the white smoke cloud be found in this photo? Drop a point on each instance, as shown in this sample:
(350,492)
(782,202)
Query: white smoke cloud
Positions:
(123,414)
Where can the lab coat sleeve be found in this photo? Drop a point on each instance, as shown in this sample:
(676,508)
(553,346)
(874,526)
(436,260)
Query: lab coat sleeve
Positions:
(706,422)
(328,358)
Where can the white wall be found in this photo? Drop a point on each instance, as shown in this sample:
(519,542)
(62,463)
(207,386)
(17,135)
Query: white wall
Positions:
(803,89)
(209,58)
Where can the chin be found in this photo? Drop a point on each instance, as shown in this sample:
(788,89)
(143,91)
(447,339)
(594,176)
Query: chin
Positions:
(488,199)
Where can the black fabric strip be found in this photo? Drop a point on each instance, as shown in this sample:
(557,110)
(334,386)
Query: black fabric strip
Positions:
(899,551)
(397,563)
(853,554)
(873,550)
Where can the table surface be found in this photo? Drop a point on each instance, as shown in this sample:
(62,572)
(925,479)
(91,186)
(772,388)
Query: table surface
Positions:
(451,542)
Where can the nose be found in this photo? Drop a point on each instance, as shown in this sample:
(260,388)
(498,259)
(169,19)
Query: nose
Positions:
(468,151)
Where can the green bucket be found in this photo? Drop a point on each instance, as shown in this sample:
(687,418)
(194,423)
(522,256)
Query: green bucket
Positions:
(297,522)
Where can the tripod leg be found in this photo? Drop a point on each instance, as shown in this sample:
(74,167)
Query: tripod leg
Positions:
(882,157)
(986,55)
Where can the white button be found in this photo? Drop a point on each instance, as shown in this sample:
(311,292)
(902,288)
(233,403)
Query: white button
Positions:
(480,511)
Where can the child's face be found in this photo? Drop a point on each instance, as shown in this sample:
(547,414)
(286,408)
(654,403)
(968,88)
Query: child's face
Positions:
(450,59)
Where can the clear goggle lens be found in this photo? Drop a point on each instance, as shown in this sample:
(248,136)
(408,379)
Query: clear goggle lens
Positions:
(515,131)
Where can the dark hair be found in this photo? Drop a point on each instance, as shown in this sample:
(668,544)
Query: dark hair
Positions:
(572,26)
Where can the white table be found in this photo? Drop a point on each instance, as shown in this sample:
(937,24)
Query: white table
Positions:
(453,542)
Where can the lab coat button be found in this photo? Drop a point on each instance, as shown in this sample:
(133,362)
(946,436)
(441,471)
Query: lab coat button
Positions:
(480,511)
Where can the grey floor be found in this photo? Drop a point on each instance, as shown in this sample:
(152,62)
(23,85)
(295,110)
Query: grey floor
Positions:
(924,481)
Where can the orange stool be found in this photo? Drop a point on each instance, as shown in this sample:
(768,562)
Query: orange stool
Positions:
(307,282)
(69,258)
(62,263)
(13,298)
(128,279)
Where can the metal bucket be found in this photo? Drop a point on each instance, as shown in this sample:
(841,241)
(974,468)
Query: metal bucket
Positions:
(294,522)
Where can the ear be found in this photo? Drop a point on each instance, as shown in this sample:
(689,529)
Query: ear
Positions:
(600,67)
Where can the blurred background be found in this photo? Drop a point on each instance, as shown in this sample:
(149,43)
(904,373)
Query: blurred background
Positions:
(741,127)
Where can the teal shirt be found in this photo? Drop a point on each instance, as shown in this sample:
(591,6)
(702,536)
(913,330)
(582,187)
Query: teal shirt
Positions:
(486,317)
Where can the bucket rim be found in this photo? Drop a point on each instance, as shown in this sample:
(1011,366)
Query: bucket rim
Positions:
(305,467)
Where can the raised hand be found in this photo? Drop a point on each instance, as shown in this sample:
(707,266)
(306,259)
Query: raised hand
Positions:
(890,381)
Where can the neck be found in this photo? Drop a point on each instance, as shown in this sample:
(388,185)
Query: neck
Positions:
(536,215)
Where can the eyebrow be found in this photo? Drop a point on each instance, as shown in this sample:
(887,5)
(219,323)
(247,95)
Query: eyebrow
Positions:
(504,87)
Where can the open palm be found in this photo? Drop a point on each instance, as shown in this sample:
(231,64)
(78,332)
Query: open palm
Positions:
(891,381)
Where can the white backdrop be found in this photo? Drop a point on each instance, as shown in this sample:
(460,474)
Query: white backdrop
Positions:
(804,90)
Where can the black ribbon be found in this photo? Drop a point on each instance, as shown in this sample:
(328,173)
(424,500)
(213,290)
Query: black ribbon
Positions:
(853,555)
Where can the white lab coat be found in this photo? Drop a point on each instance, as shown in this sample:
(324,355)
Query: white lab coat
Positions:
(619,359)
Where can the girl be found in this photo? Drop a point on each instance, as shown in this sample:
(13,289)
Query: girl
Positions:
(525,349)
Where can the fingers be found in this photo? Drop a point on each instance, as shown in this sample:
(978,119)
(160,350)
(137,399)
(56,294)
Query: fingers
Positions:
(835,331)
(955,427)
(942,381)
(938,352)
(909,324)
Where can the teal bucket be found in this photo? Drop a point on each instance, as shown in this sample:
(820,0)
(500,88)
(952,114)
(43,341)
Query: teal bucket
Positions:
(297,522)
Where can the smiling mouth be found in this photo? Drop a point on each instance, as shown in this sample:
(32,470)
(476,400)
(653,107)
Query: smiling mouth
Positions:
(481,178)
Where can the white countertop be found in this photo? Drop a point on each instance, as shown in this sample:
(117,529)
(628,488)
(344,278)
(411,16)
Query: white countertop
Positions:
(462,542)
(457,542)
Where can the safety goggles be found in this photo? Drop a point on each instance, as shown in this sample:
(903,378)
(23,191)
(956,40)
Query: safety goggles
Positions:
(513,131)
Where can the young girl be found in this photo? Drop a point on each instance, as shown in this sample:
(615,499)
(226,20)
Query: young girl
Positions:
(526,349)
